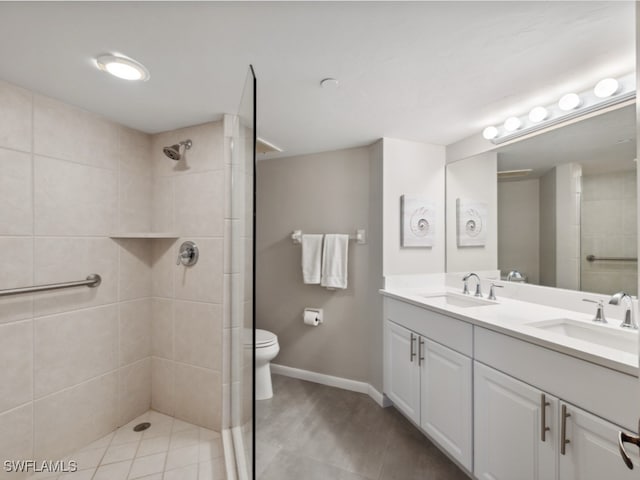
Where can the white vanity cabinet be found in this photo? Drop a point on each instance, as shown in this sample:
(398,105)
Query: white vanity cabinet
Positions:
(483,397)
(429,382)
(592,452)
(401,371)
(446,399)
(510,428)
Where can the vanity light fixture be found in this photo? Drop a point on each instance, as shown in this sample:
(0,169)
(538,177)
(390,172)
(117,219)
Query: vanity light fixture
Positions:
(606,93)
(569,102)
(512,124)
(123,67)
(606,88)
(490,133)
(538,114)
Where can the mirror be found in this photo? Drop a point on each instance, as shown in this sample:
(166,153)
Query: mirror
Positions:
(565,205)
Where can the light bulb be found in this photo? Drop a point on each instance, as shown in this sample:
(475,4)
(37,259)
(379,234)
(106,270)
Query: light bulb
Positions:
(568,102)
(122,67)
(512,124)
(490,133)
(606,88)
(538,114)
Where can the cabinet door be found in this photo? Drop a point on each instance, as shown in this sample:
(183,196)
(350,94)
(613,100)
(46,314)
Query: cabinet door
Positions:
(592,451)
(445,398)
(401,371)
(508,417)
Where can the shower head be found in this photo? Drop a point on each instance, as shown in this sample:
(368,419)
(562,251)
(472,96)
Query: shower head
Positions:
(173,152)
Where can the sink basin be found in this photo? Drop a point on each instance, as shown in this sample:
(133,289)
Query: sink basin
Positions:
(610,337)
(458,300)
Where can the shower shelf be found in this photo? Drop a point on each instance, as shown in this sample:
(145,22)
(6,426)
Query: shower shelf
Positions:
(145,235)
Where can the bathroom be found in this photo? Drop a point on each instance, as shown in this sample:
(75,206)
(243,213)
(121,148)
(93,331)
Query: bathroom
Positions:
(91,184)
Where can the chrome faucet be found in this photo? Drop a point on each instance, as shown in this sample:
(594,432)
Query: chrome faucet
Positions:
(600,318)
(492,292)
(465,289)
(629,314)
(515,276)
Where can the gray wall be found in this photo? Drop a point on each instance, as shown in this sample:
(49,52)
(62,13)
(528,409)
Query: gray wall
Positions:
(518,228)
(548,229)
(321,193)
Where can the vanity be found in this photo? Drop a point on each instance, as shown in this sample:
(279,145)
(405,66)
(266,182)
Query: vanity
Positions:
(527,385)
(512,389)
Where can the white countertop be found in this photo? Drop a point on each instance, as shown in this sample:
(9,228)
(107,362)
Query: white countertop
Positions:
(511,317)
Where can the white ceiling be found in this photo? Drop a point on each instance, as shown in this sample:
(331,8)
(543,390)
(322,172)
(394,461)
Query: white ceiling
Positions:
(434,72)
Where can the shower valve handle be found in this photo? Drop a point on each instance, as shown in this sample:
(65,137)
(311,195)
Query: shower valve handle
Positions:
(188,254)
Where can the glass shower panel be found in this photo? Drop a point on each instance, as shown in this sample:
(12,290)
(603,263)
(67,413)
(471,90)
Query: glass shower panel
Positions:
(243,144)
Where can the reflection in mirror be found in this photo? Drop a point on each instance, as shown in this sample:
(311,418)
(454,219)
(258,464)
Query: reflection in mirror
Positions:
(567,205)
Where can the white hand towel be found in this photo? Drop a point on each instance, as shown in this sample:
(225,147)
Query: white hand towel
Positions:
(311,252)
(334,261)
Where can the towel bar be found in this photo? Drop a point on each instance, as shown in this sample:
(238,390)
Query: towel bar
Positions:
(360,237)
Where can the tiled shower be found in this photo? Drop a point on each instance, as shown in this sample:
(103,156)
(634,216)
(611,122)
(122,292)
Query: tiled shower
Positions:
(82,195)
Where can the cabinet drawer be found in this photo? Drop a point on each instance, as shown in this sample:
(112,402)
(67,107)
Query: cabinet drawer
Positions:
(604,392)
(453,333)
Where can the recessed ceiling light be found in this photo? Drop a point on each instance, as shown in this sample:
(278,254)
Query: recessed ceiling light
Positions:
(538,114)
(570,101)
(512,124)
(606,88)
(123,67)
(490,133)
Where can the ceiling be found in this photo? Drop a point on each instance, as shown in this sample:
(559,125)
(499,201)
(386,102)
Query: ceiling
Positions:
(601,144)
(433,72)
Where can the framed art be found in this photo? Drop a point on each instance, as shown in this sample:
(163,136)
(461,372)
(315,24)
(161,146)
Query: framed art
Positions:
(418,216)
(471,223)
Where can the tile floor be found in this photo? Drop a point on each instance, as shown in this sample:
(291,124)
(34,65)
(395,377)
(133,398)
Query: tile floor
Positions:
(313,432)
(168,450)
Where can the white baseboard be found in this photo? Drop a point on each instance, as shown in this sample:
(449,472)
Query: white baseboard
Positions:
(331,381)
(380,398)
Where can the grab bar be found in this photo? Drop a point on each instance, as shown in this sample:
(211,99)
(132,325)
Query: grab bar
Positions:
(92,281)
(593,258)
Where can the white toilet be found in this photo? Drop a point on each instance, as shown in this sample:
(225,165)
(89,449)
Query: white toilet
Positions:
(266,350)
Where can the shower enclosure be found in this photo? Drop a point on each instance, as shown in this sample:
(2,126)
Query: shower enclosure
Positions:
(148,370)
(242,287)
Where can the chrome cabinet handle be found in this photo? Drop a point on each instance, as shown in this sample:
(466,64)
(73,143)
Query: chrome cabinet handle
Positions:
(412,353)
(622,438)
(563,431)
(420,357)
(543,417)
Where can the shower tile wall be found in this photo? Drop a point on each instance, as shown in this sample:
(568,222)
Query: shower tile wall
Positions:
(609,219)
(76,363)
(189,198)
(83,361)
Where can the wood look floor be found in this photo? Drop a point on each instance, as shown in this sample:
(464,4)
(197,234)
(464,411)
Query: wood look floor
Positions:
(313,432)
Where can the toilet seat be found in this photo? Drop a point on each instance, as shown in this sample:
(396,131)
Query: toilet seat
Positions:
(265,338)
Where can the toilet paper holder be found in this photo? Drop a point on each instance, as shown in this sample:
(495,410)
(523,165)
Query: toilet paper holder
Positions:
(316,311)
